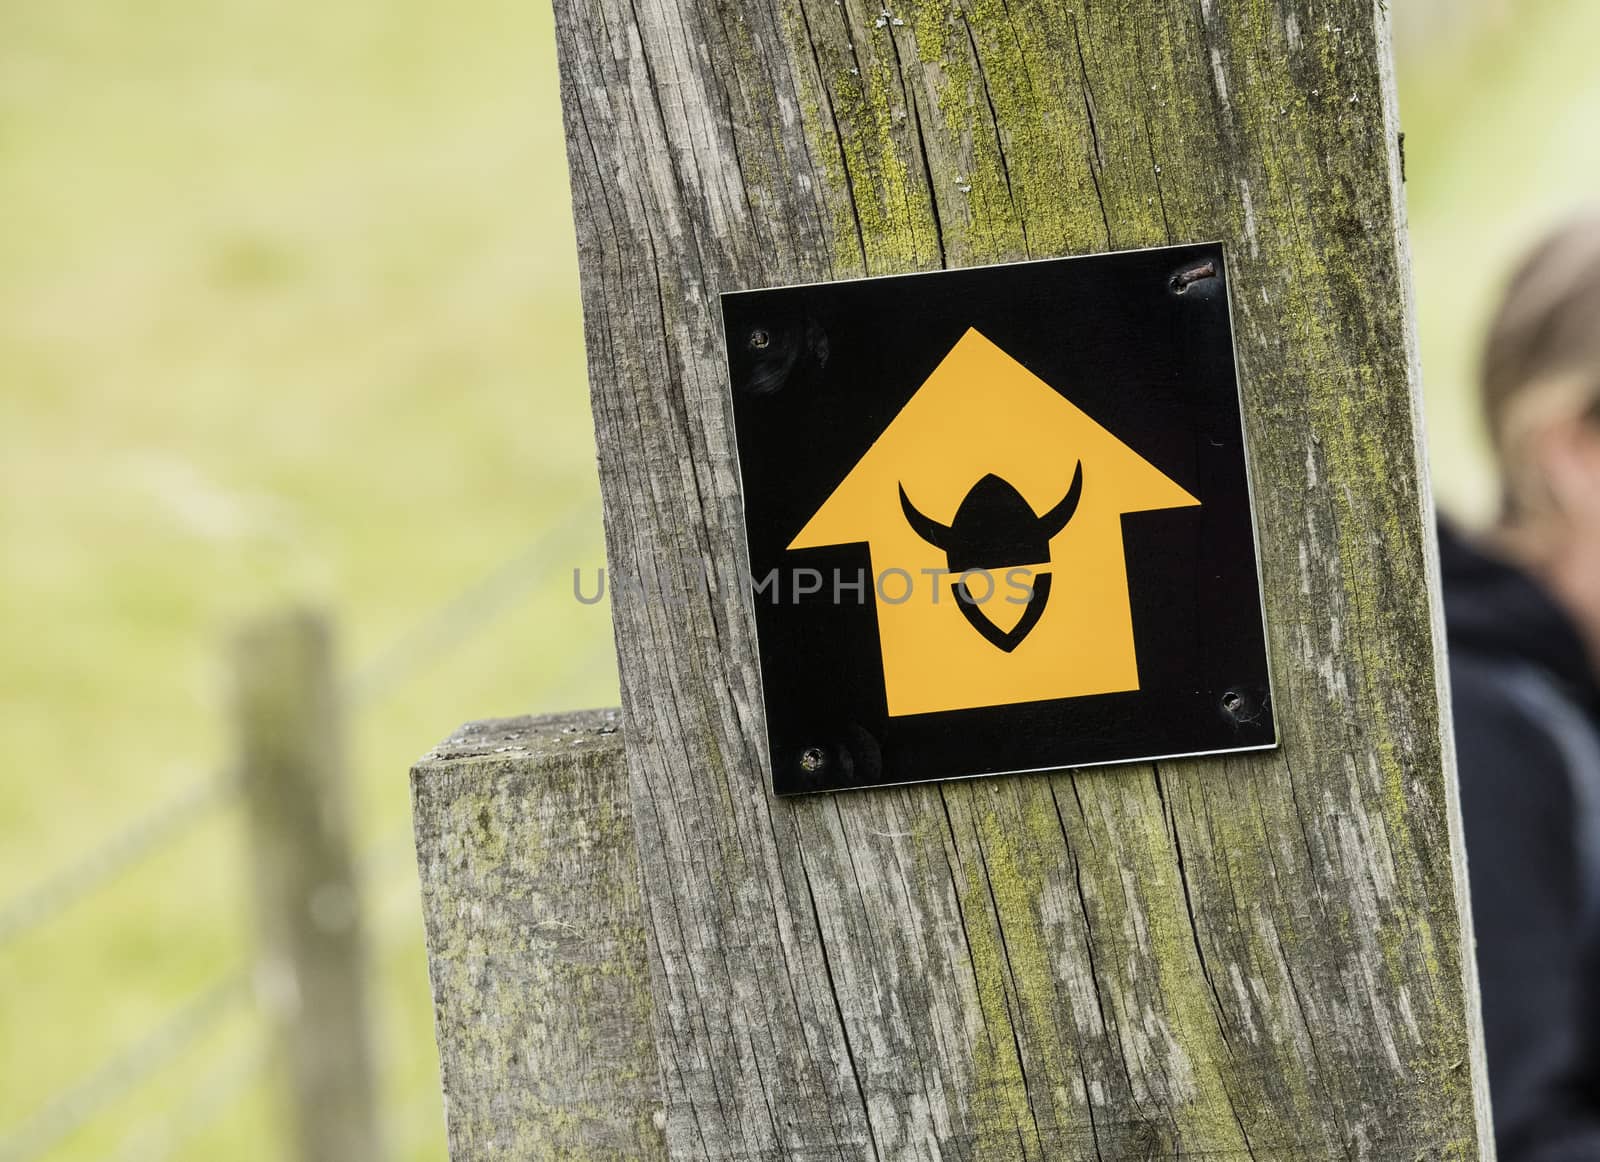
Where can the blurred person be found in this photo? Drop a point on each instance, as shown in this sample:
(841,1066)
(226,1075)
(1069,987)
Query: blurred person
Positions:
(1522,610)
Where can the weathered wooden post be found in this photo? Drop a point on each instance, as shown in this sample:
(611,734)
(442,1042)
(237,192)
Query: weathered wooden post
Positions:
(1262,955)
(536,942)
(311,974)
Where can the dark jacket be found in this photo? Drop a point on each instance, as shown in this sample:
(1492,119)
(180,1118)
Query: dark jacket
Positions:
(1527,719)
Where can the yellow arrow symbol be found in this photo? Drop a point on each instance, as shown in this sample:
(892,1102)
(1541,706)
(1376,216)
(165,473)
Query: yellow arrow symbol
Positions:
(981,414)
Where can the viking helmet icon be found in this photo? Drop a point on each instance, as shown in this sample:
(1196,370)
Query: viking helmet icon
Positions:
(996,528)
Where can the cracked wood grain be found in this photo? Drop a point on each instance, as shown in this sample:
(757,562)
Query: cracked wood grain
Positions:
(1257,956)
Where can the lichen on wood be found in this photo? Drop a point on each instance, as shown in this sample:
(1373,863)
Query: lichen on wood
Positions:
(536,947)
(1257,956)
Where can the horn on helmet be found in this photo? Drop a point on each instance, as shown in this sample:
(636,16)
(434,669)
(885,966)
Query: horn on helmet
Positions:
(1056,519)
(930,530)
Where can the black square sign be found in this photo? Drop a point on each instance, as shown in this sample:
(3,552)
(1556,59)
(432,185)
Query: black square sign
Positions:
(999,520)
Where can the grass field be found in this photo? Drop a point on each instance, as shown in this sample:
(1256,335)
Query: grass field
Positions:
(288,313)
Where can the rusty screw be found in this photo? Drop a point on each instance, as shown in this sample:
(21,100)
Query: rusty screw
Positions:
(1184,279)
(760,340)
(812,759)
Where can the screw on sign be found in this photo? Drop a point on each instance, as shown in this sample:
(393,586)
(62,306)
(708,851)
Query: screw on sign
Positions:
(1038,470)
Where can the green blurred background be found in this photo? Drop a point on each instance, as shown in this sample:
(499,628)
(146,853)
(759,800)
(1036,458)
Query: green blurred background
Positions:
(288,311)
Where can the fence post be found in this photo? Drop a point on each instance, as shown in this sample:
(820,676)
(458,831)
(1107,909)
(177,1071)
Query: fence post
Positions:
(536,944)
(1265,955)
(311,967)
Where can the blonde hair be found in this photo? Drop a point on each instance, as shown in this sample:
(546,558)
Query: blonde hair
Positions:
(1541,365)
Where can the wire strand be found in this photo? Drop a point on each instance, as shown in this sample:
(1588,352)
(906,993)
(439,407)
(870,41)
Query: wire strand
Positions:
(70,884)
(226,1081)
(67,1113)
(470,610)
(70,1111)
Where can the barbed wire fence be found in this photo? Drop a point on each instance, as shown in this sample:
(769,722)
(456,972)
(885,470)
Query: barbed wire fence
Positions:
(449,625)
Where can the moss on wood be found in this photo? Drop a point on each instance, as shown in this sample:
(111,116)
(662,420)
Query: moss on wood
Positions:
(1258,954)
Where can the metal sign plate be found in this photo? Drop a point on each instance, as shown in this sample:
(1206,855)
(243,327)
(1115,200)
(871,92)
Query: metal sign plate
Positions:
(999,520)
